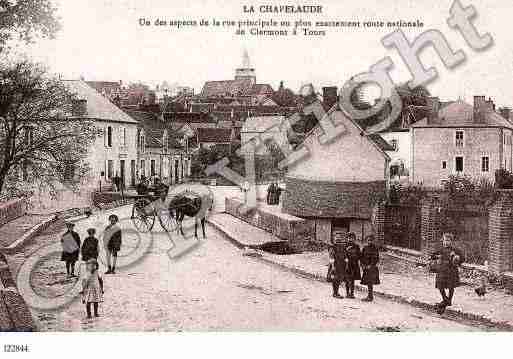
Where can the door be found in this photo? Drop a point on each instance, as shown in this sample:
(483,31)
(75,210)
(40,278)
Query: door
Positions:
(176,172)
(339,228)
(132,173)
(122,172)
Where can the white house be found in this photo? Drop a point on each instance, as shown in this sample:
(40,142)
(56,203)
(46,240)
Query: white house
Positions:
(115,151)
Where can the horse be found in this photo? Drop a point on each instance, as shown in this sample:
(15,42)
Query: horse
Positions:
(190,205)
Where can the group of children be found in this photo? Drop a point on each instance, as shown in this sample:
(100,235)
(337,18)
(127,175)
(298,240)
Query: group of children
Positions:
(346,260)
(92,282)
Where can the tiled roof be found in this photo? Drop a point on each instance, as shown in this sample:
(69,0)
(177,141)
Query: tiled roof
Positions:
(215,135)
(188,117)
(239,87)
(98,106)
(259,89)
(229,87)
(461,114)
(154,129)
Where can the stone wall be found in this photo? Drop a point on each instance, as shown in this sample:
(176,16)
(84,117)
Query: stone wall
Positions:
(12,209)
(295,230)
(501,233)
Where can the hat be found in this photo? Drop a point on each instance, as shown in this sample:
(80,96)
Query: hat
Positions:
(91,231)
(70,224)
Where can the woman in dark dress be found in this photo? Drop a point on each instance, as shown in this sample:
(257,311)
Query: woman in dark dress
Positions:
(369,261)
(337,255)
(70,241)
(352,264)
(448,259)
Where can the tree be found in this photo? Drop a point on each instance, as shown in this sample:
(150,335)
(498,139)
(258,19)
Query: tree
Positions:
(26,19)
(39,140)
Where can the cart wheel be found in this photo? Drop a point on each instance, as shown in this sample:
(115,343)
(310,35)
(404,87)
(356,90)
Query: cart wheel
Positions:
(167,220)
(143,217)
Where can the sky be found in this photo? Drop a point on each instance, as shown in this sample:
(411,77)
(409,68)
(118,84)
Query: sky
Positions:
(102,40)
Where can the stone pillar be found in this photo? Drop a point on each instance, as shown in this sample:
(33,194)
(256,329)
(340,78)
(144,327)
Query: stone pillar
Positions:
(431,226)
(378,222)
(500,229)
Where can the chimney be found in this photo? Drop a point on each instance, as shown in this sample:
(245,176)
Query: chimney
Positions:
(480,107)
(433,105)
(505,112)
(329,96)
(79,107)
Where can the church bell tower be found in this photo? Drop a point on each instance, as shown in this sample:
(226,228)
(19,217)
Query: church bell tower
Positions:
(246,71)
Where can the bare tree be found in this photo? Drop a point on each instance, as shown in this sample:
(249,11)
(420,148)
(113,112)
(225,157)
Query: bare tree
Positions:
(39,139)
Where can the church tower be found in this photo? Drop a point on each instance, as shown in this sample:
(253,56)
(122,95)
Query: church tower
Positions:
(246,71)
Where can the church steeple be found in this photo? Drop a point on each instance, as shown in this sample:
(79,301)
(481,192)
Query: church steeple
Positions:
(246,71)
(246,63)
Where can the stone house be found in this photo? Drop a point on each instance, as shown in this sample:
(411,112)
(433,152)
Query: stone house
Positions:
(460,139)
(338,183)
(162,150)
(115,151)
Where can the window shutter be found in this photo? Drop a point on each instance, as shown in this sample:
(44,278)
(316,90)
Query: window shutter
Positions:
(105,136)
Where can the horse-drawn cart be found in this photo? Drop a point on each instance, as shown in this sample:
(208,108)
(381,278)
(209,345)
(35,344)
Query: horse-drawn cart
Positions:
(149,206)
(170,210)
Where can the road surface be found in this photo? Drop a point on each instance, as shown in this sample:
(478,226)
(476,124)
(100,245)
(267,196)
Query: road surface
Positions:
(214,288)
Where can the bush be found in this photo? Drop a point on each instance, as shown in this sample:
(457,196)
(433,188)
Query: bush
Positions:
(503,179)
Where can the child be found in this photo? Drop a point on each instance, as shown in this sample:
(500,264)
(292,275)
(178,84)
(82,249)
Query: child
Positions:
(90,246)
(92,288)
(112,243)
(70,242)
(369,260)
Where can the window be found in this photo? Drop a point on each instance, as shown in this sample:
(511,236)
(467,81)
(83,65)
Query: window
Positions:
(124,137)
(143,168)
(152,168)
(485,164)
(460,140)
(459,164)
(109,136)
(444,165)
(395,144)
(110,169)
(143,144)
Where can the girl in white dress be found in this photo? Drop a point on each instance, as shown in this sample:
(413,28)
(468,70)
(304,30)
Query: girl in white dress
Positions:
(92,288)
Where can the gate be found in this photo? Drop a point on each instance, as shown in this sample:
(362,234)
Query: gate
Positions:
(402,226)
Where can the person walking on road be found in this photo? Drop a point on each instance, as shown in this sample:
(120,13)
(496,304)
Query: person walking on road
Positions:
(352,264)
(112,243)
(92,288)
(70,242)
(337,273)
(369,261)
(448,260)
(90,246)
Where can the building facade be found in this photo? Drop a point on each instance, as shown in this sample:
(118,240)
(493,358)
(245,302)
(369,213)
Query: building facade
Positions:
(461,140)
(339,182)
(114,152)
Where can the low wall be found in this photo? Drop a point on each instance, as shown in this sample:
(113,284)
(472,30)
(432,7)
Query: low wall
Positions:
(15,315)
(13,209)
(297,231)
